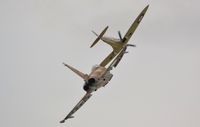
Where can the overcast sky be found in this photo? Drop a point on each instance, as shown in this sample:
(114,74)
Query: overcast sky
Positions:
(156,85)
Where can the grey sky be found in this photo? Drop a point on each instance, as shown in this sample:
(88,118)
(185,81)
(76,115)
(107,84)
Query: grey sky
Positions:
(156,85)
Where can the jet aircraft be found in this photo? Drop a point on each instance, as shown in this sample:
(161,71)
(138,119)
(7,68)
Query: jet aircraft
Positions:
(100,74)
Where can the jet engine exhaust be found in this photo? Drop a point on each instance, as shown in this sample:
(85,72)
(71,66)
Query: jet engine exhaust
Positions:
(88,83)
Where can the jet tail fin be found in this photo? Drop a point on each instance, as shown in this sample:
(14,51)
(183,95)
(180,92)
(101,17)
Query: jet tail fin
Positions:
(99,36)
(82,75)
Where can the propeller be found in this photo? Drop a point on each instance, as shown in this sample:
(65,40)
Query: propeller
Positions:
(120,36)
(131,45)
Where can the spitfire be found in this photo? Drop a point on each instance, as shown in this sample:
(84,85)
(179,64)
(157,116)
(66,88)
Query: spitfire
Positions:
(118,43)
(100,74)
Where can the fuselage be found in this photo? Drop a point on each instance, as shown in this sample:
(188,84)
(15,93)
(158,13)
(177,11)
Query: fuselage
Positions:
(115,43)
(98,78)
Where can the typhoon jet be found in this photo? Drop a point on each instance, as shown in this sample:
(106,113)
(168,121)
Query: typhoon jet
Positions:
(100,75)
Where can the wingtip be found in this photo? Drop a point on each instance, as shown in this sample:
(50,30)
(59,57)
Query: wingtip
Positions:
(147,7)
(64,64)
(91,46)
(62,121)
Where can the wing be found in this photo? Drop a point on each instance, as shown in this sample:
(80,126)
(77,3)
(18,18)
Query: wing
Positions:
(117,59)
(134,25)
(80,103)
(108,59)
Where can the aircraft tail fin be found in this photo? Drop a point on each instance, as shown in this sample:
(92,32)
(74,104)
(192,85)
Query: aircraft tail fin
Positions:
(82,75)
(99,36)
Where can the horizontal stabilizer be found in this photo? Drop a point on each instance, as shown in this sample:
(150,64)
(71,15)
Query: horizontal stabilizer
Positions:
(99,36)
(95,33)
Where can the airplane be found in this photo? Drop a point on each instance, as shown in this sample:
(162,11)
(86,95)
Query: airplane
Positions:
(118,43)
(100,75)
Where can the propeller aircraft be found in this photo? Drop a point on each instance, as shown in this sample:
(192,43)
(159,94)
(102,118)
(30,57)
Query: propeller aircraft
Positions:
(118,44)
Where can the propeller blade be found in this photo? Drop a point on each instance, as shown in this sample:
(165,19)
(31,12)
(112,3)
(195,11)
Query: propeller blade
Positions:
(131,45)
(120,36)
